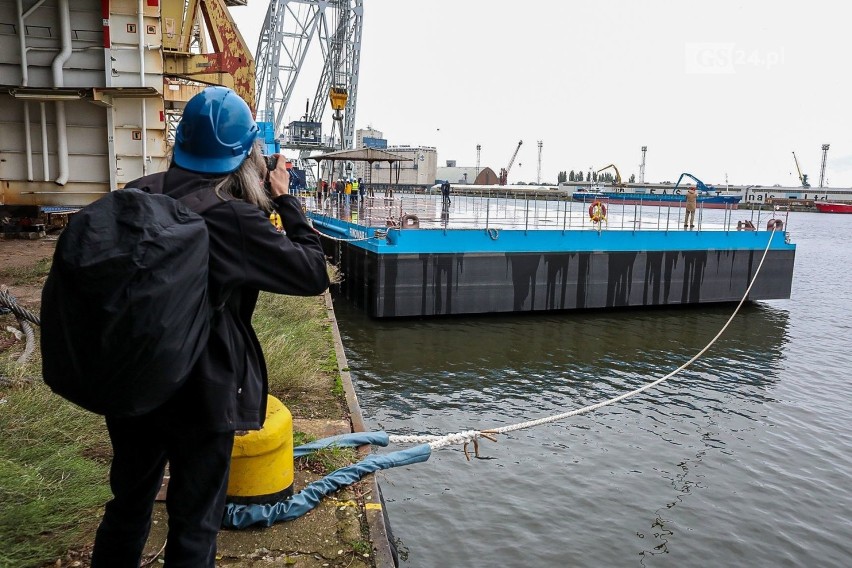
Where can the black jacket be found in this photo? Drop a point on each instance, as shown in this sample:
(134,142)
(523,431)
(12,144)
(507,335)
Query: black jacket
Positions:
(227,388)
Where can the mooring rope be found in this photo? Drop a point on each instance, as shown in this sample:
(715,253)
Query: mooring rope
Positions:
(468,436)
(29,346)
(24,317)
(8,300)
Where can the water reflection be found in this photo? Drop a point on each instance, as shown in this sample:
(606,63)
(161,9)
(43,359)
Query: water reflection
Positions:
(585,356)
(445,214)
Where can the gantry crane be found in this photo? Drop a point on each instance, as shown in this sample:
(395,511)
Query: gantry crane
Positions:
(504,172)
(288,31)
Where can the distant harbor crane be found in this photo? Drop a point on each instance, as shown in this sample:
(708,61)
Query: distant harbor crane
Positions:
(504,172)
(617,182)
(802,177)
(699,185)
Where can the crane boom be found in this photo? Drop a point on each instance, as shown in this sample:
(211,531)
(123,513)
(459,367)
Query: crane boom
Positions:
(617,174)
(504,172)
(802,177)
(514,155)
(700,185)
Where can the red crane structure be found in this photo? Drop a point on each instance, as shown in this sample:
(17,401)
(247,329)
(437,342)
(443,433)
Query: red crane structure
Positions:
(504,172)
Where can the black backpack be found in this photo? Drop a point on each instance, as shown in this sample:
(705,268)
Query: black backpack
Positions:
(125,311)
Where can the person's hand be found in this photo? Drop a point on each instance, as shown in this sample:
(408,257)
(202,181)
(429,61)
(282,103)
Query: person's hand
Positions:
(279,178)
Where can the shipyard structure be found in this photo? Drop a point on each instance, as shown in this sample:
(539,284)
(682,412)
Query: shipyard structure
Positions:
(91,91)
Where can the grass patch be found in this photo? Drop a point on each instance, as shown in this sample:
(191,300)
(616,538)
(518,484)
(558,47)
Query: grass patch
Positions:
(10,370)
(53,475)
(31,275)
(361,547)
(327,460)
(301,438)
(298,345)
(337,388)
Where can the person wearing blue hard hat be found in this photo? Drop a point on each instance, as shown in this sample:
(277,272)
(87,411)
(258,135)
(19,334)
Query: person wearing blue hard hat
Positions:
(217,160)
(216,133)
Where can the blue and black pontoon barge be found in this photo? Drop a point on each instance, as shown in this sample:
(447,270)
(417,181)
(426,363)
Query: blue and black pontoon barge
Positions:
(414,256)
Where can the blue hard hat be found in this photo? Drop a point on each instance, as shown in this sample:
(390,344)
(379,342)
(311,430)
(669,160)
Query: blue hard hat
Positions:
(216,132)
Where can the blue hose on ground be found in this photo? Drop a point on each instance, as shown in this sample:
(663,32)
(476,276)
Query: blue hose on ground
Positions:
(242,516)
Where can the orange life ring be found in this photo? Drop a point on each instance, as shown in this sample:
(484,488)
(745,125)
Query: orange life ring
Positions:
(597,211)
(410,221)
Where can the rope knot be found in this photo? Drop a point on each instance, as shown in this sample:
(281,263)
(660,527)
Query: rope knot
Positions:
(465,438)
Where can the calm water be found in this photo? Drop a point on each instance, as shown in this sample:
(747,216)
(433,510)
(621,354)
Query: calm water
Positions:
(742,460)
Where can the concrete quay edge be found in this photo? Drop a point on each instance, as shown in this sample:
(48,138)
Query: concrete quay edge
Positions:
(379,531)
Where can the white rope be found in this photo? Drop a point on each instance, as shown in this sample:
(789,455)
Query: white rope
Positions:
(437,442)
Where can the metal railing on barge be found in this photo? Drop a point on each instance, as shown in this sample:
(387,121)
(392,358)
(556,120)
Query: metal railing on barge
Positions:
(535,210)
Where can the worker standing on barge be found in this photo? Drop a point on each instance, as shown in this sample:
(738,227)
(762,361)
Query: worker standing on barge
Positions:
(691,201)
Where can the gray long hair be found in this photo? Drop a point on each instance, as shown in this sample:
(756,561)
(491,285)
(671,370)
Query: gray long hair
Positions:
(246,182)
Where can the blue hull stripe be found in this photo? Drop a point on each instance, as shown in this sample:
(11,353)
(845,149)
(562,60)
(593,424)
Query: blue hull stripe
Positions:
(438,241)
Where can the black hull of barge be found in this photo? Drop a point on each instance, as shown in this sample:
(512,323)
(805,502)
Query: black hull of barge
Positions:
(436,284)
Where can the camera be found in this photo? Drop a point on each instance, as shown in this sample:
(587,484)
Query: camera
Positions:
(271,162)
(297,176)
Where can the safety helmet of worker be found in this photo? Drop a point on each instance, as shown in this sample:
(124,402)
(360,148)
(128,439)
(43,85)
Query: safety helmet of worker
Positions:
(216,133)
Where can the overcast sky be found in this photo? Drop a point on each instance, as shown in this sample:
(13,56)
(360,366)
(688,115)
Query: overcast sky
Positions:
(711,88)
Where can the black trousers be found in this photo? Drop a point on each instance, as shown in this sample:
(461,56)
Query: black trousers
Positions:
(199,462)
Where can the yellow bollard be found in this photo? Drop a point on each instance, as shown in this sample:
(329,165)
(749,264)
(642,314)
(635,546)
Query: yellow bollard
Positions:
(262,460)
